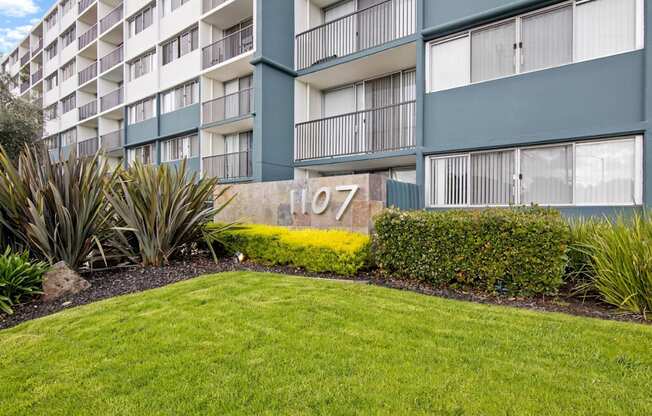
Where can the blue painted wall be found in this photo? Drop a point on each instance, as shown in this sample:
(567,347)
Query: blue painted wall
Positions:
(141,132)
(192,164)
(180,121)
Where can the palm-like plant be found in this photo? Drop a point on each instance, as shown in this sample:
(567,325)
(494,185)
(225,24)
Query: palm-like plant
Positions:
(162,211)
(57,210)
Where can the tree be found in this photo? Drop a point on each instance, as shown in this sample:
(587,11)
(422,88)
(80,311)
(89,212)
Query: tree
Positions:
(21,121)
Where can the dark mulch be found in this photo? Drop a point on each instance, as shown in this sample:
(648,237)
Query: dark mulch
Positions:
(116,282)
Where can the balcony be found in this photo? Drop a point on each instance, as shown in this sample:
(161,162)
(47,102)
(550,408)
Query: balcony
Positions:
(83,5)
(209,5)
(87,73)
(39,46)
(108,21)
(88,147)
(230,106)
(112,99)
(24,86)
(111,141)
(111,59)
(228,47)
(25,58)
(384,129)
(88,110)
(87,37)
(229,166)
(364,29)
(36,76)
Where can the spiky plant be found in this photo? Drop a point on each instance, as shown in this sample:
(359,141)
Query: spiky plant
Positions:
(59,211)
(162,210)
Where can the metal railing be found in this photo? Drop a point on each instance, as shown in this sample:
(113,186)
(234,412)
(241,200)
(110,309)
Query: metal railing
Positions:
(88,110)
(228,166)
(363,29)
(83,5)
(228,47)
(229,106)
(36,76)
(25,58)
(87,37)
(111,141)
(113,17)
(87,73)
(211,4)
(112,99)
(88,147)
(24,86)
(39,46)
(111,59)
(381,129)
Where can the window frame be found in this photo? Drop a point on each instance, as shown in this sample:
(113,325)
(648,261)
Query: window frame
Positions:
(639,177)
(518,63)
(186,145)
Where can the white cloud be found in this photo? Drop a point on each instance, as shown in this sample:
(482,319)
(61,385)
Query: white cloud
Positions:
(10,37)
(18,8)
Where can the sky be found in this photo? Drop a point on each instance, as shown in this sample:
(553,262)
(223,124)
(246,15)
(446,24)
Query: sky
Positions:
(16,19)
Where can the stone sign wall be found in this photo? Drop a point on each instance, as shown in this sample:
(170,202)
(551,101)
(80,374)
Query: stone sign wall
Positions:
(339,202)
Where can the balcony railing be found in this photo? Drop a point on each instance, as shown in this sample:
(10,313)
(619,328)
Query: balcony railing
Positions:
(87,73)
(88,110)
(382,129)
(229,106)
(39,46)
(88,147)
(36,76)
(228,47)
(111,99)
(111,141)
(83,5)
(25,58)
(228,166)
(111,59)
(108,21)
(366,28)
(211,4)
(24,86)
(87,37)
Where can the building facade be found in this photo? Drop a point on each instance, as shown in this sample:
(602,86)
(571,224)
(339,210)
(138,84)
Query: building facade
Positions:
(474,103)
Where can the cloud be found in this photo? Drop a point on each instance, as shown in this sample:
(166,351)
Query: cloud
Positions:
(10,37)
(18,8)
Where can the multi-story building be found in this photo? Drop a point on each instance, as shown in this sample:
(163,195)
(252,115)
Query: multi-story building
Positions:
(477,103)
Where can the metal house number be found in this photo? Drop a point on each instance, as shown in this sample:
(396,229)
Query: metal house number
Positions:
(322,200)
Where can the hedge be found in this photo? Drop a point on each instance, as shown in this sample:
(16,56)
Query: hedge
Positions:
(520,251)
(339,252)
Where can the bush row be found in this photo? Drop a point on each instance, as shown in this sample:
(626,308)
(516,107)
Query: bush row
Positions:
(339,252)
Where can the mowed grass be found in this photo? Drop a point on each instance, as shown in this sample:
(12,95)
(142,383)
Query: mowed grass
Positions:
(248,343)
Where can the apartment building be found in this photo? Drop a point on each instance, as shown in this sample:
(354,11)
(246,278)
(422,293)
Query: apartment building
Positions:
(472,103)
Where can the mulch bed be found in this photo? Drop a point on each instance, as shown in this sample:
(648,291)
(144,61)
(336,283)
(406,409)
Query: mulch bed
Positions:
(117,282)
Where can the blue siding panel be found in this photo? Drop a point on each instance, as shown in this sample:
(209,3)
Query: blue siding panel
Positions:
(180,121)
(142,132)
(403,195)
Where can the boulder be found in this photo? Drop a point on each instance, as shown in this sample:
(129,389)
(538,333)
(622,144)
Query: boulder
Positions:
(60,281)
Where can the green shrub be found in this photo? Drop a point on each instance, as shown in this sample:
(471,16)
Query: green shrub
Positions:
(340,252)
(616,260)
(516,251)
(19,278)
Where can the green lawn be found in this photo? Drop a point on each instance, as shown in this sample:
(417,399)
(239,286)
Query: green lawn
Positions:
(247,343)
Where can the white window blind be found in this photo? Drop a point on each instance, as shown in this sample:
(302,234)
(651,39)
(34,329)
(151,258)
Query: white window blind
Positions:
(341,101)
(492,178)
(449,181)
(449,63)
(492,51)
(605,27)
(547,39)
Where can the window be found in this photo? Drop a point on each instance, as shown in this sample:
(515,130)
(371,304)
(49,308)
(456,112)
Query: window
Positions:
(69,137)
(142,154)
(51,81)
(68,103)
(180,148)
(68,37)
(570,32)
(142,110)
(141,20)
(180,97)
(606,172)
(51,51)
(142,65)
(68,70)
(51,142)
(51,20)
(66,6)
(180,45)
(50,112)
(168,6)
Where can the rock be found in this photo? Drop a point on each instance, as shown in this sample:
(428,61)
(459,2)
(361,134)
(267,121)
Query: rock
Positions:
(60,281)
